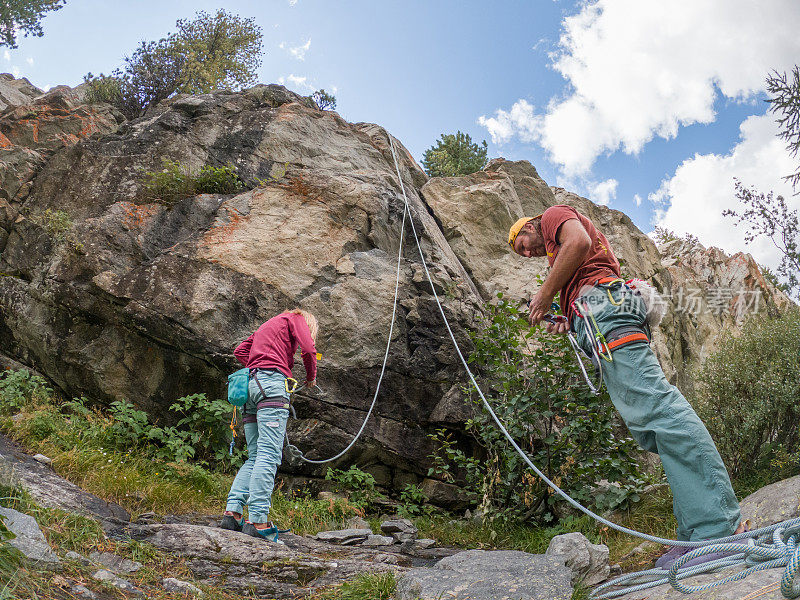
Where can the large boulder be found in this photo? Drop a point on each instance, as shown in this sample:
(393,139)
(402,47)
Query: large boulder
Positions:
(145,301)
(773,503)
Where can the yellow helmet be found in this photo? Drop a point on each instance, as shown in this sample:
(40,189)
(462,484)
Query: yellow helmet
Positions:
(516,228)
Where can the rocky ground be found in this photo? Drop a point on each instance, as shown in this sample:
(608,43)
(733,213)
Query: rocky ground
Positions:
(303,565)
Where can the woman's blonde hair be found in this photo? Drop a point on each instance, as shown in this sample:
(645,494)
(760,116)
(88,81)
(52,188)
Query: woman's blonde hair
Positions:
(311,321)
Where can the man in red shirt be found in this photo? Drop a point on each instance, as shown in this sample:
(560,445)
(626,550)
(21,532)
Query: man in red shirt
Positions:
(585,271)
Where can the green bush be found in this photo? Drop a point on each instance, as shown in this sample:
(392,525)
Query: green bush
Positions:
(19,389)
(533,382)
(176,181)
(413,501)
(56,223)
(748,395)
(359,484)
(324,100)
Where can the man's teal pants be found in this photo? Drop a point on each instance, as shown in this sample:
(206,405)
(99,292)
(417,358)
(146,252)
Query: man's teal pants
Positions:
(661,420)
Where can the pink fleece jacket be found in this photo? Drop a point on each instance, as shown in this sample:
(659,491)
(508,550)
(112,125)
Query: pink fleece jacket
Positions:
(273,345)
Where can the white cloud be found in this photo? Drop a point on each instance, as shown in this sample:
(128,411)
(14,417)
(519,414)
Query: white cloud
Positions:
(303,83)
(603,192)
(692,200)
(519,121)
(29,60)
(6,55)
(298,52)
(15,71)
(637,69)
(292,2)
(637,199)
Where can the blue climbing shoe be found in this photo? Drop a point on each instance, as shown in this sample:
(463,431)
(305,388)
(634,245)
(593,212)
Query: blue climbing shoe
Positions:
(230,523)
(270,533)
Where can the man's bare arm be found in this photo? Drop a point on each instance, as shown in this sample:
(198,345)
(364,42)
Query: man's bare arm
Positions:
(575,243)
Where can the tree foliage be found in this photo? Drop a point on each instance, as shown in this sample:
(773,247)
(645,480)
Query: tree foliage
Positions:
(748,393)
(454,154)
(23,16)
(324,100)
(767,215)
(784,90)
(220,51)
(533,382)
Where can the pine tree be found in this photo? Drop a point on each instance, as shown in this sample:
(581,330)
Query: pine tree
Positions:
(454,154)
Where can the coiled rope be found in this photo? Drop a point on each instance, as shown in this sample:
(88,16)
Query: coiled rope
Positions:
(769,547)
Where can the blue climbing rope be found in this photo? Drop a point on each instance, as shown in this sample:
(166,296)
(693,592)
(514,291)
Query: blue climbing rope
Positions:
(769,547)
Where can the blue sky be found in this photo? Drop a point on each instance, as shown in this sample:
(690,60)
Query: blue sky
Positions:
(651,107)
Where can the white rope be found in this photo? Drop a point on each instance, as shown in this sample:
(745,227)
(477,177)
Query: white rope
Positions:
(294,449)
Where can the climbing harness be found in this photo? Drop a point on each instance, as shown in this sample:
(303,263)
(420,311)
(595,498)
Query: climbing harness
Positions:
(774,546)
(601,346)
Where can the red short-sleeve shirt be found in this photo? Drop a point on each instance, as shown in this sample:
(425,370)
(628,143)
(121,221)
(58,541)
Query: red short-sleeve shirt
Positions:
(600,260)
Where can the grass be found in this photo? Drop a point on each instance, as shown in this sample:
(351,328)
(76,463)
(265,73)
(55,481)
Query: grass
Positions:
(366,586)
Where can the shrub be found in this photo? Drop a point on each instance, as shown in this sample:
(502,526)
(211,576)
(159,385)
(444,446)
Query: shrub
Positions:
(359,484)
(56,223)
(534,385)
(413,501)
(21,388)
(748,394)
(176,181)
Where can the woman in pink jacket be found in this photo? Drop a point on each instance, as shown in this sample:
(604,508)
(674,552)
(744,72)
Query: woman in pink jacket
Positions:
(269,354)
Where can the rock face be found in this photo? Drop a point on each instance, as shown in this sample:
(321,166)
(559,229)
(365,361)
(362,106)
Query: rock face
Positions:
(16,91)
(488,575)
(113,296)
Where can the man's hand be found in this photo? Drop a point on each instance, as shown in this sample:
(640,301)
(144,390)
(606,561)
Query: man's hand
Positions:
(539,307)
(560,327)
(310,384)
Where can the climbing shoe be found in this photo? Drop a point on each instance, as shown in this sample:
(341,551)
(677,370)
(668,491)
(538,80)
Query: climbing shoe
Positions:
(270,533)
(666,561)
(230,523)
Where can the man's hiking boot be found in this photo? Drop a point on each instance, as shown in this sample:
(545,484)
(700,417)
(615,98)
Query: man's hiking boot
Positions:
(231,523)
(270,533)
(666,560)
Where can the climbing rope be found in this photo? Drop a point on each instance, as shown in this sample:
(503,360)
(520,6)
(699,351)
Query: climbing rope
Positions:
(293,451)
(778,545)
